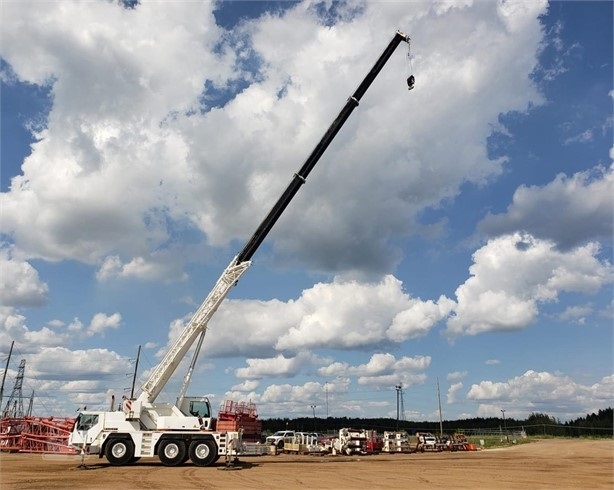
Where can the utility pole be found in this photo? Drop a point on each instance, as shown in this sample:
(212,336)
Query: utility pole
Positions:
(136,367)
(313,408)
(326,389)
(439,400)
(505,426)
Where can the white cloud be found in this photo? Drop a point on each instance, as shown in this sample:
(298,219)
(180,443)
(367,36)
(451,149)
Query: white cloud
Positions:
(127,158)
(277,366)
(247,385)
(456,375)
(576,313)
(533,391)
(584,137)
(77,364)
(511,275)
(384,370)
(159,266)
(13,328)
(568,210)
(64,379)
(452,392)
(101,323)
(344,314)
(20,284)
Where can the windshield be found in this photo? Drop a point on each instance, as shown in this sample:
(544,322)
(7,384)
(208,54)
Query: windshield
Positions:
(86,421)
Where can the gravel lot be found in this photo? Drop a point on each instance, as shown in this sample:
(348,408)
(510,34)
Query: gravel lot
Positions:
(549,463)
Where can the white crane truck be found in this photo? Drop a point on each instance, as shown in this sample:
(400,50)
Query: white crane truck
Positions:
(185,430)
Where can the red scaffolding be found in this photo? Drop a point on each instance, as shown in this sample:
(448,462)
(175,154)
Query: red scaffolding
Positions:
(36,434)
(239,415)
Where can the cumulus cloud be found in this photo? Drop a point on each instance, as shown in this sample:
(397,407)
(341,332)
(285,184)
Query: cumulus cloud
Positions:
(13,327)
(101,323)
(382,369)
(532,391)
(453,391)
(344,314)
(277,366)
(247,385)
(512,274)
(132,155)
(64,379)
(159,266)
(456,375)
(165,127)
(20,284)
(569,210)
(56,362)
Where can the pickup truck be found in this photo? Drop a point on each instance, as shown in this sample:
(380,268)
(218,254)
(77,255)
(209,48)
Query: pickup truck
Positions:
(277,439)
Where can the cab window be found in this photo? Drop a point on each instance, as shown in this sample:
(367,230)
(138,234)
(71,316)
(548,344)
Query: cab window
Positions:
(86,421)
(200,409)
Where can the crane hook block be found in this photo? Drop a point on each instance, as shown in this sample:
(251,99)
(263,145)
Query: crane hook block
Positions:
(411,81)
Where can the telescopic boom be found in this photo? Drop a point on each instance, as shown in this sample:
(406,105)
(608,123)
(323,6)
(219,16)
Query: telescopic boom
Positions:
(299,178)
(198,324)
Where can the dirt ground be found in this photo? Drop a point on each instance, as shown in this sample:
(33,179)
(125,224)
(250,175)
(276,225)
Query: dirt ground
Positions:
(550,463)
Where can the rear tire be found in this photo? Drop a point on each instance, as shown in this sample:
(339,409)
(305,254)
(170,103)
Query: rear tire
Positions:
(203,452)
(172,452)
(119,452)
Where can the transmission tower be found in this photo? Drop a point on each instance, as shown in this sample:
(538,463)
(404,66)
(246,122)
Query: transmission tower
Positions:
(14,405)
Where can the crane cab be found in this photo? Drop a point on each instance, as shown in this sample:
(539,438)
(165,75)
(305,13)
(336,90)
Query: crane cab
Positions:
(193,406)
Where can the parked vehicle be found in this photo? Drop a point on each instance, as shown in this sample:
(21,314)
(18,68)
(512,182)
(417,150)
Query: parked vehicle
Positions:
(426,442)
(277,439)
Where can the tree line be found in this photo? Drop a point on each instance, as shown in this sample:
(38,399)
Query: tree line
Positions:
(599,424)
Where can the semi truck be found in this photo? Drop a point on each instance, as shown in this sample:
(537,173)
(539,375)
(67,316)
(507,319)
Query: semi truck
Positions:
(176,432)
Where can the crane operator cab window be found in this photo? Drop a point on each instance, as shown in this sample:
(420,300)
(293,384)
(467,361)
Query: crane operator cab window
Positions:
(200,409)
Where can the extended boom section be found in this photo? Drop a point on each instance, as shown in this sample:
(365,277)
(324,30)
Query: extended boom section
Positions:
(299,178)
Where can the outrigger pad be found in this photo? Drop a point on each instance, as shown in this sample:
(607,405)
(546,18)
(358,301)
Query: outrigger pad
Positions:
(411,81)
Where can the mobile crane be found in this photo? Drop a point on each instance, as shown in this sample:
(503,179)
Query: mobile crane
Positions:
(185,430)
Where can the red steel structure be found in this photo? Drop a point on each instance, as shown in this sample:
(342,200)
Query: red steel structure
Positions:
(240,415)
(36,434)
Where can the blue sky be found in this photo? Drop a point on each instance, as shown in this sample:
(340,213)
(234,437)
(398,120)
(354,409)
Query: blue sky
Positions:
(459,232)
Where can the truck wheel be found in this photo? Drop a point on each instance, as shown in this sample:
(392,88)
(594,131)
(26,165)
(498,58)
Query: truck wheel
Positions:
(119,452)
(171,452)
(280,444)
(203,453)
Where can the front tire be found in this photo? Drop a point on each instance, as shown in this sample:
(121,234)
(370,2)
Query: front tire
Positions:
(119,452)
(172,452)
(203,453)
